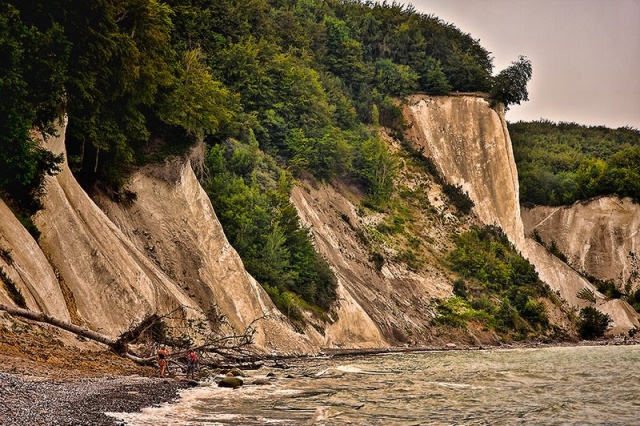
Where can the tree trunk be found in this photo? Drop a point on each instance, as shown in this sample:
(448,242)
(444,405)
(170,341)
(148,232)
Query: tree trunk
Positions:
(120,346)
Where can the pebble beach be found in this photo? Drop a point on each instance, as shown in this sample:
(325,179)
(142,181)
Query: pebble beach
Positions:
(83,401)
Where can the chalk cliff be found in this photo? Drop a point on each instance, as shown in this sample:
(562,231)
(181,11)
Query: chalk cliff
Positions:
(469,143)
(106,265)
(26,266)
(172,221)
(166,252)
(600,237)
(390,306)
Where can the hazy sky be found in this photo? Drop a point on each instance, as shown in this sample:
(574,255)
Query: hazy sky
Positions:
(585,53)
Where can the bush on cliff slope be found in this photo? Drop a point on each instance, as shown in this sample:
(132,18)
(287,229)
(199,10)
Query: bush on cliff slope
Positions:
(502,289)
(593,323)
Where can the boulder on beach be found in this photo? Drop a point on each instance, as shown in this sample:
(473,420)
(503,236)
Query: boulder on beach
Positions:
(235,372)
(230,382)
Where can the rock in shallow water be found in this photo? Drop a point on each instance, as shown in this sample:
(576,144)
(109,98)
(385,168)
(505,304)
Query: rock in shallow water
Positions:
(230,382)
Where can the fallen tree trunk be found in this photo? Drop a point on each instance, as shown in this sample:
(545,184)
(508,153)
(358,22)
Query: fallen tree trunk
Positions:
(76,329)
(228,347)
(120,345)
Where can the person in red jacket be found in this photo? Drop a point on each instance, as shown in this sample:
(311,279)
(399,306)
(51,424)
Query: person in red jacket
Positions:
(192,363)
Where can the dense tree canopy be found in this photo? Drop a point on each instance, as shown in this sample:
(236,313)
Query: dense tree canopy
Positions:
(559,163)
(510,85)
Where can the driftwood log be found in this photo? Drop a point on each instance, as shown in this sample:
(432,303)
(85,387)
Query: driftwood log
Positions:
(119,345)
(228,347)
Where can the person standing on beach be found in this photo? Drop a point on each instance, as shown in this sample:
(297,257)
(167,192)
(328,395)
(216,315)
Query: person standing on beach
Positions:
(162,359)
(192,363)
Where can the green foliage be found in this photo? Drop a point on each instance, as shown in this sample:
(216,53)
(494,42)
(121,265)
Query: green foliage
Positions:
(457,312)
(251,197)
(460,288)
(433,79)
(586,294)
(499,282)
(551,248)
(458,198)
(634,299)
(593,323)
(608,289)
(398,80)
(559,163)
(197,102)
(377,168)
(510,85)
(31,82)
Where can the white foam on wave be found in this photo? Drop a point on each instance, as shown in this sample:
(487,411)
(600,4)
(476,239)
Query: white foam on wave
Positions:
(357,370)
(349,369)
(182,411)
(452,385)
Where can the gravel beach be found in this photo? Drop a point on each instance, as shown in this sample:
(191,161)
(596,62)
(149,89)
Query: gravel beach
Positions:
(50,377)
(83,401)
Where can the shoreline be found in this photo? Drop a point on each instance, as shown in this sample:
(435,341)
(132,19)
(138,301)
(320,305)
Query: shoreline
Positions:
(346,352)
(39,393)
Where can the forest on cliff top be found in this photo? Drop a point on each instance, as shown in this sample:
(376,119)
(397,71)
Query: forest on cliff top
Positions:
(560,163)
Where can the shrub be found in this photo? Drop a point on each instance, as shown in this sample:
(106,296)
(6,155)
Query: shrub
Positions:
(593,323)
(499,281)
(460,288)
(586,294)
(458,198)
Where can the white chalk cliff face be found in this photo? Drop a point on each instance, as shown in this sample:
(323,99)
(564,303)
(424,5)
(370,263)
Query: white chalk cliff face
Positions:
(469,143)
(600,237)
(24,263)
(110,283)
(165,251)
(172,221)
(374,309)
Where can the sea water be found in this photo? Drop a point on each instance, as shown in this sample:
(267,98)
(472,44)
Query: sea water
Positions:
(551,386)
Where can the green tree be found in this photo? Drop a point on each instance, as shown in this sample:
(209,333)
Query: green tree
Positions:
(432,79)
(593,323)
(399,80)
(32,78)
(344,54)
(590,176)
(197,102)
(510,85)
(378,168)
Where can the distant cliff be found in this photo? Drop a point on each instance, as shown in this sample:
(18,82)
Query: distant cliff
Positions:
(469,143)
(600,237)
